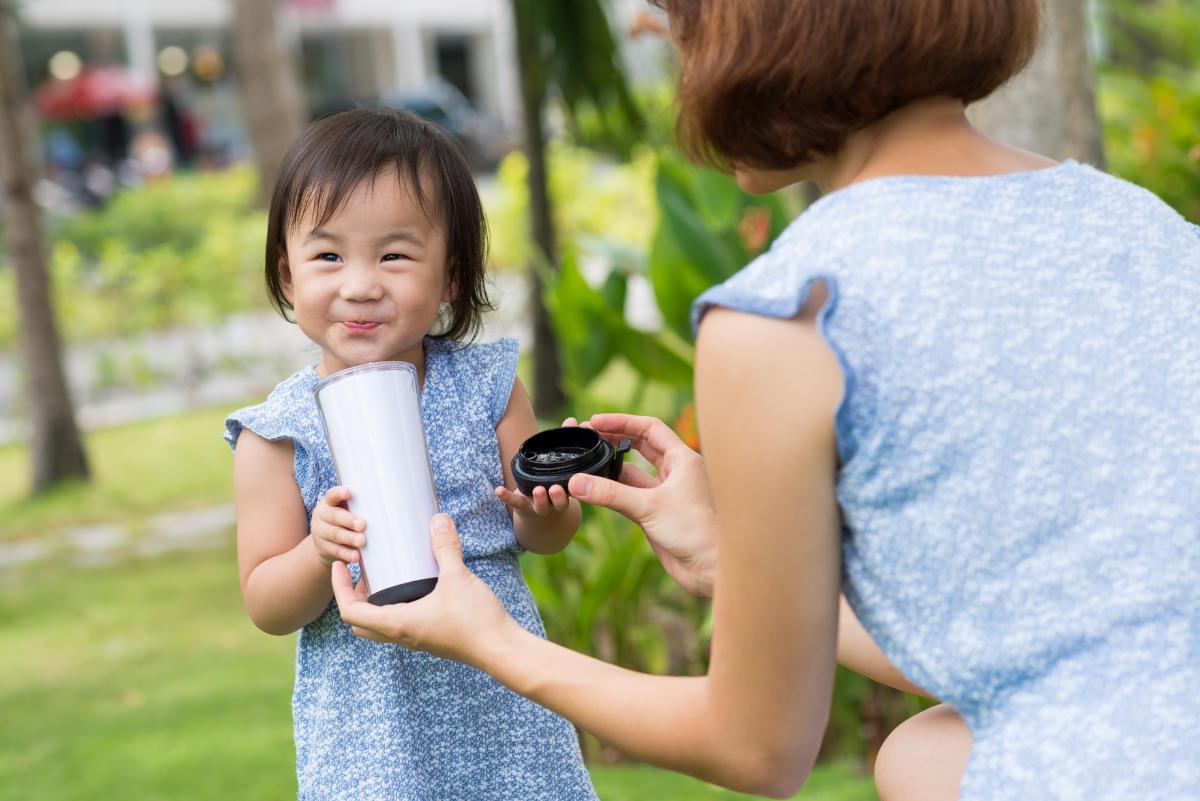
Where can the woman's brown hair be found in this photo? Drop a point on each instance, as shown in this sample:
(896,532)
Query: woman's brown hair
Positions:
(774,83)
(334,155)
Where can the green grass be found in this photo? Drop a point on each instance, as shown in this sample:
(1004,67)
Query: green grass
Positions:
(145,680)
(137,470)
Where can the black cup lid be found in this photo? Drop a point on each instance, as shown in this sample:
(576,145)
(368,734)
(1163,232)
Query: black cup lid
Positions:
(553,456)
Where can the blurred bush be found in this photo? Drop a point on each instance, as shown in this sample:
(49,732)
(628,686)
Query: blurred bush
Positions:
(186,249)
(1149,98)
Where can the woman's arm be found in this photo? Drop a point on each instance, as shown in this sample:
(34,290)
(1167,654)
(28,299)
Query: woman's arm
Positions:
(767,390)
(284,585)
(545,522)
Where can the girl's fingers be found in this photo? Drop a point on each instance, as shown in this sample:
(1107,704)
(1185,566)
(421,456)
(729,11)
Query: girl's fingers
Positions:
(559,499)
(570,421)
(337,553)
(340,535)
(341,518)
(514,500)
(336,496)
(541,500)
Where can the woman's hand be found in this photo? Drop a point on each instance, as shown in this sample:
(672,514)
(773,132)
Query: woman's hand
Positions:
(336,531)
(674,507)
(461,619)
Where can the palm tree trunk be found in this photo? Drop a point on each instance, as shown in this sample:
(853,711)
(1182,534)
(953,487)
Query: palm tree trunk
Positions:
(55,444)
(272,103)
(1051,107)
(548,398)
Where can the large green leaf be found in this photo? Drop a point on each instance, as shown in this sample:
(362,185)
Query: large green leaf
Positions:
(577,53)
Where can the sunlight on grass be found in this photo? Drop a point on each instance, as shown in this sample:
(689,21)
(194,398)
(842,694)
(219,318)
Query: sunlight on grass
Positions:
(160,465)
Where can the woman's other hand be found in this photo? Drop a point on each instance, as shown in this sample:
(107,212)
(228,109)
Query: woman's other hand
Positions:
(674,507)
(461,619)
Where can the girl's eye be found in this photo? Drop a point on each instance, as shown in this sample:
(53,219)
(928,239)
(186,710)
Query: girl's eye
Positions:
(394,257)
(327,257)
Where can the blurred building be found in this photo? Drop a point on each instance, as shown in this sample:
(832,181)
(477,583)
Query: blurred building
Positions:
(347,50)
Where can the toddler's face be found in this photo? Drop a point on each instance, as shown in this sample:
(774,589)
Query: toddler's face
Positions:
(366,285)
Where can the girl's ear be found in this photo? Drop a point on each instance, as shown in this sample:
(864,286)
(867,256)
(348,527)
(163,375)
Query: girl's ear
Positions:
(285,279)
(450,293)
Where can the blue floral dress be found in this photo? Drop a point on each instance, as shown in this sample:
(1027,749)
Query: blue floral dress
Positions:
(1019,478)
(379,721)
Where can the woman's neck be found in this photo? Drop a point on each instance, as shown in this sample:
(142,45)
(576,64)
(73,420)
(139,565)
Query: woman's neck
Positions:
(927,137)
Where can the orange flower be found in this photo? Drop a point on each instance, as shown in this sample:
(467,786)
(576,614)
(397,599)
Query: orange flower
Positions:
(755,228)
(685,427)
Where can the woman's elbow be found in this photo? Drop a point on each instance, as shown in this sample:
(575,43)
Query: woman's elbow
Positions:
(780,776)
(768,769)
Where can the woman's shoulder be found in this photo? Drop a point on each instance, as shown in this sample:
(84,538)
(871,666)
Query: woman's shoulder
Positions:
(869,237)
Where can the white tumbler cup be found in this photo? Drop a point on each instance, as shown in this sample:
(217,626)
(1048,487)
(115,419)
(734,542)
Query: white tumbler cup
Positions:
(372,418)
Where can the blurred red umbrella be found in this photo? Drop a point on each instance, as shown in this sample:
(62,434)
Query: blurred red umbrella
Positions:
(94,92)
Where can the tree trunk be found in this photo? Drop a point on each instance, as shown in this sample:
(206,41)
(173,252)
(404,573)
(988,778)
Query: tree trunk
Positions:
(55,444)
(1051,107)
(272,103)
(548,398)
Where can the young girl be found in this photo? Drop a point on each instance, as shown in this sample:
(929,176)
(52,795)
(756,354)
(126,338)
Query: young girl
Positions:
(376,241)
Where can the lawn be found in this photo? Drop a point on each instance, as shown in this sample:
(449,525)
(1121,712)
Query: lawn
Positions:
(145,680)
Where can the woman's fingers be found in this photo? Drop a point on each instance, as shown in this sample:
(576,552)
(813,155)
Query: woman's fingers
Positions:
(634,476)
(633,502)
(651,436)
(353,604)
(447,547)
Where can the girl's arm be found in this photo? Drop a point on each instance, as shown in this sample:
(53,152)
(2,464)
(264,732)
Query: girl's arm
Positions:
(858,652)
(284,585)
(545,522)
(767,391)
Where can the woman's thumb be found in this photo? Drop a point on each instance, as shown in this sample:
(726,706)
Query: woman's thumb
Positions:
(447,548)
(607,493)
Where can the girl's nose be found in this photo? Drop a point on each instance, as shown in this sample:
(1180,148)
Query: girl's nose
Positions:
(360,284)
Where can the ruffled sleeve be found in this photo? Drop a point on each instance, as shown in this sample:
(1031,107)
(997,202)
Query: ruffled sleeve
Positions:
(287,414)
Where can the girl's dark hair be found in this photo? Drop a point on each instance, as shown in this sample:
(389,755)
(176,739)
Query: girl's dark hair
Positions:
(775,83)
(335,154)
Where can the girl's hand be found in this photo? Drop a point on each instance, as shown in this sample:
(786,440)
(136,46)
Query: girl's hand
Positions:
(336,532)
(674,507)
(540,504)
(462,619)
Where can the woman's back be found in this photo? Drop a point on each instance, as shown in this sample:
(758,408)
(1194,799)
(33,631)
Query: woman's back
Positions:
(1020,460)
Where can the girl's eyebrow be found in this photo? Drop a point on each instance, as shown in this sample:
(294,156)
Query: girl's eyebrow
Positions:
(392,236)
(321,233)
(405,236)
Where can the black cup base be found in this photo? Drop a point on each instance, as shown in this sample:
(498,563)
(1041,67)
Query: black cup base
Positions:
(403,593)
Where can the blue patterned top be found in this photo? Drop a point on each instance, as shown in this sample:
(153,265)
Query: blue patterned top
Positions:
(1019,476)
(378,721)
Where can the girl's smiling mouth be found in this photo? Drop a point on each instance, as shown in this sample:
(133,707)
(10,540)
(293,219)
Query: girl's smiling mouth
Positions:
(360,326)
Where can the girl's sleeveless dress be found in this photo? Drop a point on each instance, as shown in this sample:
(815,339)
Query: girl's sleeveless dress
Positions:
(379,721)
(1019,476)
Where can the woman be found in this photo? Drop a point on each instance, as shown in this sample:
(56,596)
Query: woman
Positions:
(961,387)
